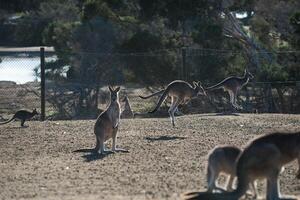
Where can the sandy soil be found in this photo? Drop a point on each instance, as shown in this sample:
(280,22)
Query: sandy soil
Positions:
(54,159)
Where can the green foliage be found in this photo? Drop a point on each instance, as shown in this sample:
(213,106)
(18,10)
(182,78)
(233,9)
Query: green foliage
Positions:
(147,68)
(100,8)
(29,29)
(20,5)
(58,34)
(178,11)
(295,22)
(261,28)
(273,72)
(86,32)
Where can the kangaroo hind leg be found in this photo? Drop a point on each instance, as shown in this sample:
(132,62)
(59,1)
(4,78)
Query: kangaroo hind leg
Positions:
(172,110)
(211,179)
(102,150)
(114,146)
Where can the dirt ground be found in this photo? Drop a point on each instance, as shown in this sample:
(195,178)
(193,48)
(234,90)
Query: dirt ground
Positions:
(54,159)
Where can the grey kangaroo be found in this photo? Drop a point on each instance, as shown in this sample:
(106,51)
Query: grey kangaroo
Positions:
(180,92)
(233,85)
(222,159)
(107,123)
(22,115)
(263,158)
(127,112)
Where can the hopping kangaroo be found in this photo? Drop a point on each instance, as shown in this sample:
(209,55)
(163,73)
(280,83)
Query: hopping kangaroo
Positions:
(127,112)
(262,158)
(222,159)
(22,115)
(233,85)
(180,92)
(107,123)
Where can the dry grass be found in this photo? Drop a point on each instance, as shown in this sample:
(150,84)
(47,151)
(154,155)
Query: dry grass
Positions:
(53,159)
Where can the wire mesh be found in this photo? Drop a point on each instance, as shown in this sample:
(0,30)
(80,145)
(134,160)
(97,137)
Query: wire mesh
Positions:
(19,82)
(78,89)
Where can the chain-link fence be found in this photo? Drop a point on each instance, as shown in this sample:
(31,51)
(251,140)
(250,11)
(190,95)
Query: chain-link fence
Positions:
(78,88)
(19,81)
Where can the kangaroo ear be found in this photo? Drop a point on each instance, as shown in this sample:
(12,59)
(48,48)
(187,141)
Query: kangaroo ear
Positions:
(117,89)
(110,89)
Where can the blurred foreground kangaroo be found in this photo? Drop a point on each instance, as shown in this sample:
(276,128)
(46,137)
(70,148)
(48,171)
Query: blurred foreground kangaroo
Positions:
(107,123)
(22,115)
(180,92)
(127,112)
(263,158)
(223,159)
(233,85)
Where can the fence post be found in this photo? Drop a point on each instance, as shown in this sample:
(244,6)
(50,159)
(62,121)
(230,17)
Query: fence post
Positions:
(42,55)
(184,70)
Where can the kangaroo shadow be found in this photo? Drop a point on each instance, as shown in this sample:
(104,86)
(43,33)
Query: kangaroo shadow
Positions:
(91,155)
(164,138)
(227,113)
(220,114)
(17,127)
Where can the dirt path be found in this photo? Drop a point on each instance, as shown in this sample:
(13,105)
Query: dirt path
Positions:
(53,160)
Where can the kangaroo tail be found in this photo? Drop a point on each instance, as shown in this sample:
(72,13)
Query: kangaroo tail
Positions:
(210,196)
(161,100)
(215,87)
(234,195)
(151,95)
(209,178)
(7,121)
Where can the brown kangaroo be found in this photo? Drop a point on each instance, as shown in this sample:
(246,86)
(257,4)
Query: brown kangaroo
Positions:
(180,92)
(107,123)
(233,85)
(23,115)
(262,158)
(127,112)
(222,159)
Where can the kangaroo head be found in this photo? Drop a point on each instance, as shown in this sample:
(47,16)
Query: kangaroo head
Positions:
(248,74)
(125,99)
(198,88)
(35,112)
(114,93)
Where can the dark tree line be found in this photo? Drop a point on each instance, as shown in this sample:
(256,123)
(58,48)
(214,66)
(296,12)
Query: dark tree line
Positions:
(141,41)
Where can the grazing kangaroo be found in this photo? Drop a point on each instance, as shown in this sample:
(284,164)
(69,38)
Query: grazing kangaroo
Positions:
(262,158)
(180,92)
(222,159)
(107,123)
(127,112)
(233,85)
(22,115)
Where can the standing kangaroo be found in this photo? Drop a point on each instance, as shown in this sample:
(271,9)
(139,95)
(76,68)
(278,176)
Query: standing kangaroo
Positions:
(180,92)
(23,115)
(233,85)
(127,112)
(263,158)
(222,159)
(107,123)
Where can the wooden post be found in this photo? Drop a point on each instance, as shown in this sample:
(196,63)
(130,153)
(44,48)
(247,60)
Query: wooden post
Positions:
(42,55)
(184,70)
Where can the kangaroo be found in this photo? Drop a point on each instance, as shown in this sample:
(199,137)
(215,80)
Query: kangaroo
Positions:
(107,123)
(262,158)
(22,115)
(127,112)
(233,85)
(180,92)
(222,159)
